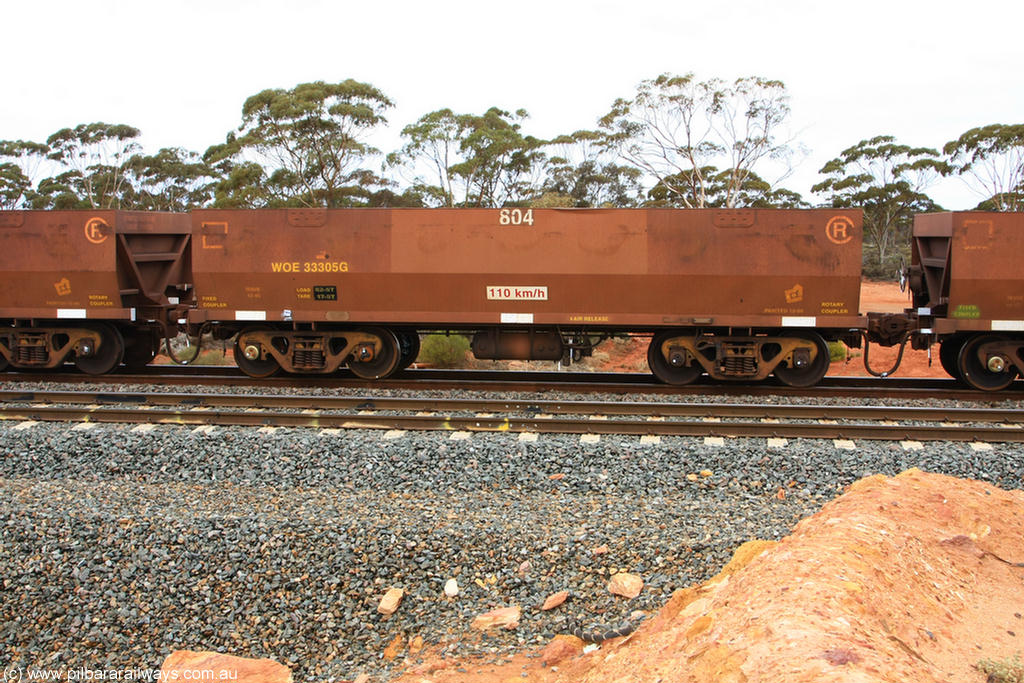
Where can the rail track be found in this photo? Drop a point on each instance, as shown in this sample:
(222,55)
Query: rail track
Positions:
(769,420)
(533,381)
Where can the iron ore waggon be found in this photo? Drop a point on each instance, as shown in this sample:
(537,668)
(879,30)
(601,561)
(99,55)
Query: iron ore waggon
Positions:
(731,294)
(97,288)
(734,294)
(967,282)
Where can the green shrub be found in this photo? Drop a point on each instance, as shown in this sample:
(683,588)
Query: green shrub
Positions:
(444,351)
(836,352)
(1003,670)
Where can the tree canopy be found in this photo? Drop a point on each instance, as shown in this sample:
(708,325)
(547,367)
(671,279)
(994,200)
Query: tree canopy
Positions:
(173,179)
(719,192)
(584,173)
(991,159)
(97,156)
(471,160)
(675,127)
(888,180)
(302,147)
(19,162)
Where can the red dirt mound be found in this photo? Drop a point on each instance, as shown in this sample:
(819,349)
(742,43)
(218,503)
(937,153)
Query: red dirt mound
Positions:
(911,578)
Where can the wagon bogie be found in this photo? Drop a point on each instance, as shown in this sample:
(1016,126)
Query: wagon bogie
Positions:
(96,348)
(371,353)
(797,358)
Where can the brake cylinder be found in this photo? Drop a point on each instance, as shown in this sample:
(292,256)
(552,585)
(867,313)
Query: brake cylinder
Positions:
(495,344)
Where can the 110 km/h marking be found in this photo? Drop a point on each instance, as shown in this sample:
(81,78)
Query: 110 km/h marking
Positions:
(504,293)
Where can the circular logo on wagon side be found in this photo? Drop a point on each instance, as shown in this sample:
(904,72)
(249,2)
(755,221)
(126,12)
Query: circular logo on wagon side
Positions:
(839,229)
(96,230)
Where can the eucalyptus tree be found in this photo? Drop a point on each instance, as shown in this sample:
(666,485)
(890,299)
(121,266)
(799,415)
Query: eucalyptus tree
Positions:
(675,126)
(309,144)
(500,165)
(754,192)
(470,160)
(20,161)
(96,156)
(432,147)
(991,159)
(14,186)
(240,184)
(888,180)
(61,191)
(173,179)
(583,171)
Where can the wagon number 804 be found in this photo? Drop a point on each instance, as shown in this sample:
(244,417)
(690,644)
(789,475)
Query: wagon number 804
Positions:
(515,217)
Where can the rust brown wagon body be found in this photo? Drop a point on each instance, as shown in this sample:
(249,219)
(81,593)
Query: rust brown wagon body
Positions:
(98,287)
(968,283)
(732,293)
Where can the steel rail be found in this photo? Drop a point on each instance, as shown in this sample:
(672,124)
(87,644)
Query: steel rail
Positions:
(531,381)
(814,430)
(529,407)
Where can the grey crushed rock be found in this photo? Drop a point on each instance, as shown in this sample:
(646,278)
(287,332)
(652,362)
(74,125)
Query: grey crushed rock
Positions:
(119,547)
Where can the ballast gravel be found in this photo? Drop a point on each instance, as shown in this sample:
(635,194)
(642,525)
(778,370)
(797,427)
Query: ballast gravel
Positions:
(119,546)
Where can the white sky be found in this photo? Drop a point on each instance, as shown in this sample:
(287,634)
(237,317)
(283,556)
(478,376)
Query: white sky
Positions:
(180,71)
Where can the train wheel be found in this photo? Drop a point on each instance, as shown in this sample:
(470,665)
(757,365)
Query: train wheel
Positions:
(663,369)
(383,363)
(813,372)
(409,345)
(3,363)
(248,357)
(949,355)
(109,354)
(980,372)
(140,350)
